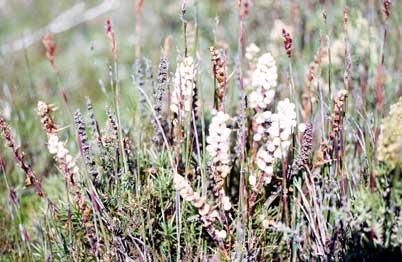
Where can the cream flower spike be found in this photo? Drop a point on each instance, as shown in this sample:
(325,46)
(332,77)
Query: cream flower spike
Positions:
(282,127)
(184,85)
(264,81)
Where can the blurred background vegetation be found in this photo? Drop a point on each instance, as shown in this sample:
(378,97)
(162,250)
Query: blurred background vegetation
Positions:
(83,57)
(83,51)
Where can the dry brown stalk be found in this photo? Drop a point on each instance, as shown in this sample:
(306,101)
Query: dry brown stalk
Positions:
(90,233)
(112,38)
(220,74)
(50,46)
(19,157)
(336,123)
(307,96)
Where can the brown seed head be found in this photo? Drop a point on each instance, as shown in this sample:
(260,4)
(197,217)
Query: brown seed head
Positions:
(287,41)
(50,46)
(112,38)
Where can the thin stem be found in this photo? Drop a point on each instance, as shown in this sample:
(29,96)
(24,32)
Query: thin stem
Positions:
(117,106)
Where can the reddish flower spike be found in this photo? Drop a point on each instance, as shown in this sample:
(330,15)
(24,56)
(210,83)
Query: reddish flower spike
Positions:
(287,41)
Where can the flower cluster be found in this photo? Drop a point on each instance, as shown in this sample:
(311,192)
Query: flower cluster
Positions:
(336,122)
(184,88)
(307,96)
(390,139)
(219,148)
(306,147)
(220,74)
(50,46)
(251,51)
(284,121)
(264,80)
(58,148)
(112,38)
(44,111)
(159,93)
(287,42)
(84,144)
(262,121)
(251,55)
(207,212)
(66,164)
(55,146)
(163,71)
(282,126)
(227,205)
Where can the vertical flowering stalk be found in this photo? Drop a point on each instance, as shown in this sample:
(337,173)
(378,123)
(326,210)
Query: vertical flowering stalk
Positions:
(280,132)
(220,74)
(163,70)
(111,121)
(311,75)
(181,98)
(380,74)
(207,211)
(219,150)
(387,12)
(93,123)
(115,84)
(159,93)
(19,157)
(129,148)
(108,145)
(139,78)
(240,120)
(90,232)
(336,121)
(262,121)
(50,46)
(264,81)
(111,138)
(252,51)
(58,149)
(84,145)
(287,42)
(242,133)
(67,165)
(301,160)
(112,38)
